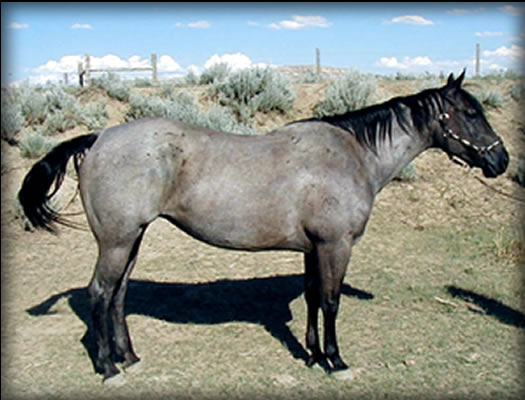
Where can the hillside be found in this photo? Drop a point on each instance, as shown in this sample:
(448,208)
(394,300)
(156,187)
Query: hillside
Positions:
(432,305)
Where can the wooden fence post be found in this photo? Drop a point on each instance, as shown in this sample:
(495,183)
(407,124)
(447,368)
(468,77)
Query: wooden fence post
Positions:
(87,69)
(80,74)
(154,67)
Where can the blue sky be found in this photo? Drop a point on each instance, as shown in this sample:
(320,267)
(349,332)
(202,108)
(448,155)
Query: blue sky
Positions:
(41,41)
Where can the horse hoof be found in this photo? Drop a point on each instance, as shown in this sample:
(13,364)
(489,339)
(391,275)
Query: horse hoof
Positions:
(129,361)
(343,374)
(131,367)
(115,381)
(315,359)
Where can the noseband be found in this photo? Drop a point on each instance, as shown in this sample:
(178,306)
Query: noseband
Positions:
(448,133)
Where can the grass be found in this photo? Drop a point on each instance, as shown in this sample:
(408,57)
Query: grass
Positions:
(211,323)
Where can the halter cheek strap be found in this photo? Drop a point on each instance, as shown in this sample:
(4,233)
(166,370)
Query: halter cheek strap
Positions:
(448,133)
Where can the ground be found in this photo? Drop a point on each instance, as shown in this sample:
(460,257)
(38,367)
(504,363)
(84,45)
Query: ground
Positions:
(432,303)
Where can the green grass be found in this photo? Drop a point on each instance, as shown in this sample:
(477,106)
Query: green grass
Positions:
(411,336)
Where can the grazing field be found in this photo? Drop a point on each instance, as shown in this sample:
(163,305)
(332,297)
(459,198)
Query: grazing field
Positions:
(432,305)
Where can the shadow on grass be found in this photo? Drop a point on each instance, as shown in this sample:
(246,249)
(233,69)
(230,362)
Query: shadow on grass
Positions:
(265,301)
(491,307)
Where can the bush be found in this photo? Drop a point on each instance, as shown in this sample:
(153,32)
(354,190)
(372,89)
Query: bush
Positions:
(492,98)
(94,116)
(34,106)
(182,106)
(12,119)
(216,73)
(114,87)
(34,144)
(58,122)
(251,90)
(518,91)
(354,91)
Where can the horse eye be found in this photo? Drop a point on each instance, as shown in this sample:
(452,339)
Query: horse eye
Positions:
(471,112)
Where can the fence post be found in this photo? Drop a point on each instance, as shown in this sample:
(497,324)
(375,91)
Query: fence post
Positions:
(80,74)
(154,67)
(87,68)
(318,61)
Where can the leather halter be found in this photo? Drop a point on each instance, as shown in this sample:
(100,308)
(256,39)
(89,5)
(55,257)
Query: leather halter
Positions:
(448,133)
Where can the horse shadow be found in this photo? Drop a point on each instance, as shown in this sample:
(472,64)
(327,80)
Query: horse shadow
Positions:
(265,301)
(490,307)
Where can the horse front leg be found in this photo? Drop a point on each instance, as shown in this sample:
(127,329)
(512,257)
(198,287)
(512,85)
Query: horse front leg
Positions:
(333,262)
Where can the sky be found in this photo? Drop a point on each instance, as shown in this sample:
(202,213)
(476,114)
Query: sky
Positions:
(42,41)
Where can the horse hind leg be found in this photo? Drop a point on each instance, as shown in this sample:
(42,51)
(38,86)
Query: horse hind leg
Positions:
(123,345)
(313,302)
(107,291)
(333,259)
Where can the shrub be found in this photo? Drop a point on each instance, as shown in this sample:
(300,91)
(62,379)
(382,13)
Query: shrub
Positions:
(34,144)
(354,91)
(182,106)
(216,73)
(141,107)
(518,91)
(34,106)
(191,79)
(12,120)
(58,122)
(492,98)
(251,90)
(94,116)
(114,87)
(311,77)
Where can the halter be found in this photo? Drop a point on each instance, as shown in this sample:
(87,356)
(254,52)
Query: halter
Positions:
(447,132)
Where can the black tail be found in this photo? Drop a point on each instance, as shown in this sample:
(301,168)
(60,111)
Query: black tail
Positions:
(34,193)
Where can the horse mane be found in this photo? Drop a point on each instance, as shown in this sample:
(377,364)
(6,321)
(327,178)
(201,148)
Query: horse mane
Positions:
(373,124)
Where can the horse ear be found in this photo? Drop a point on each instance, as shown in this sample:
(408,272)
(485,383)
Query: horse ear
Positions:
(450,81)
(459,81)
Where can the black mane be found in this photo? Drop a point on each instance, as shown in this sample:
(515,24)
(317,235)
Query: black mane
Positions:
(374,123)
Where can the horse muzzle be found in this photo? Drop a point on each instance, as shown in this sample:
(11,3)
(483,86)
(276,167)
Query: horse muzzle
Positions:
(495,162)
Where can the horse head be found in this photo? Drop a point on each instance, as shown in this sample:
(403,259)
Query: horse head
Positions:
(465,133)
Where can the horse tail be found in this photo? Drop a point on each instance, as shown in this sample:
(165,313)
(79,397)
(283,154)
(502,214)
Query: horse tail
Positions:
(34,194)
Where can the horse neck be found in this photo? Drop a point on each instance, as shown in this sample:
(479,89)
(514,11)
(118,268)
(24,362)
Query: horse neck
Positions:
(392,155)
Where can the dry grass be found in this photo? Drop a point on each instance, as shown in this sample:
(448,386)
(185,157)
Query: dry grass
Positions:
(431,306)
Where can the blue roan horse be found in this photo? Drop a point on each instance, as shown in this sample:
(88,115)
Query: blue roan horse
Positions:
(308,186)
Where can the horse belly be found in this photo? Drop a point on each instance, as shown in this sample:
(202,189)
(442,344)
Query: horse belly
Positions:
(244,216)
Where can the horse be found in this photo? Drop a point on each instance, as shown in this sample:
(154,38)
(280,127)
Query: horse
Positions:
(308,186)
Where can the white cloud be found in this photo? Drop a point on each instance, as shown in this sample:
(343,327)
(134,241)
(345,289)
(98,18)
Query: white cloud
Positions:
(301,22)
(513,51)
(168,64)
(406,63)
(81,26)
(54,70)
(515,11)
(464,11)
(17,25)
(411,20)
(196,25)
(235,61)
(488,34)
